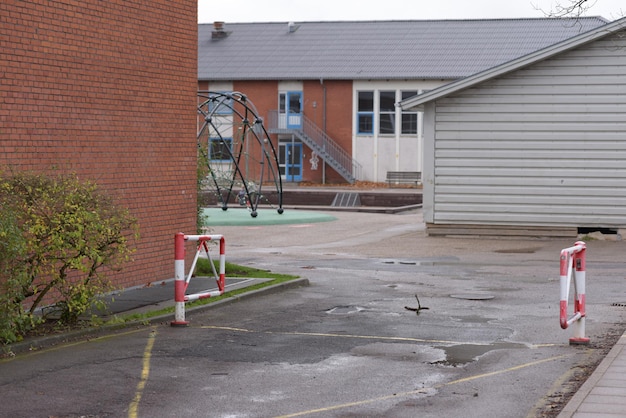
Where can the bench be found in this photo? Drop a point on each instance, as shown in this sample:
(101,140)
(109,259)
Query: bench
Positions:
(397,177)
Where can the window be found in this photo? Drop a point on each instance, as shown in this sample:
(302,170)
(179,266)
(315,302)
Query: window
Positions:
(365,112)
(391,119)
(387,112)
(221,104)
(290,102)
(294,102)
(409,118)
(220,149)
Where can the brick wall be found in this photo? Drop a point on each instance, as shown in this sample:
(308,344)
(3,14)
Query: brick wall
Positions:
(331,100)
(264,97)
(329,105)
(107,89)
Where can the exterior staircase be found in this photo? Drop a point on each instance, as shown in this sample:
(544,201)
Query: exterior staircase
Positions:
(322,144)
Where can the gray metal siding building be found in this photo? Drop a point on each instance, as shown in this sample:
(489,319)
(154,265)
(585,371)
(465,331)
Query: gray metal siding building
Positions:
(536,143)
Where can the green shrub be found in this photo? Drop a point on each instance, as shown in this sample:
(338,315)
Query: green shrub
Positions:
(14,321)
(68,231)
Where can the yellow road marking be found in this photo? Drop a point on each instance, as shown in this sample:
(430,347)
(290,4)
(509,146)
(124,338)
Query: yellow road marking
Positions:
(320,334)
(387,338)
(73,344)
(145,372)
(365,337)
(557,387)
(422,390)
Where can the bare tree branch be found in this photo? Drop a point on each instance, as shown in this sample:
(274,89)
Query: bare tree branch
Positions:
(571,8)
(574,9)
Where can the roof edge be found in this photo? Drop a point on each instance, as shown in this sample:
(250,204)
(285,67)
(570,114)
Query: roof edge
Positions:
(325,78)
(407,20)
(510,66)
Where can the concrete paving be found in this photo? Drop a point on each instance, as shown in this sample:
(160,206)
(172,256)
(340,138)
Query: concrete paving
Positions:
(489,343)
(604,392)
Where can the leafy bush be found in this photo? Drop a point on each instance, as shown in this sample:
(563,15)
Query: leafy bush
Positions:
(14,321)
(64,232)
(202,171)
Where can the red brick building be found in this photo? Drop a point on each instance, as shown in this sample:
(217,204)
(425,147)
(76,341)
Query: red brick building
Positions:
(107,89)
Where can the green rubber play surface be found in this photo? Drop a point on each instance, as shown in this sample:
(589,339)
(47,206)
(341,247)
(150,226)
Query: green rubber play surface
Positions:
(241,216)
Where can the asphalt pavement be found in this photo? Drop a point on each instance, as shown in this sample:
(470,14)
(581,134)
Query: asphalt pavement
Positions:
(385,321)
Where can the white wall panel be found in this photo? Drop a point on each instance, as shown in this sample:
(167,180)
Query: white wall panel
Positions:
(545,145)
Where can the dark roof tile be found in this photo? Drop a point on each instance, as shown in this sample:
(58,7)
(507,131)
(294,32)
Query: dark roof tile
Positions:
(418,49)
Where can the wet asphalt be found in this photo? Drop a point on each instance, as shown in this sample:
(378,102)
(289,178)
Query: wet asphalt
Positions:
(488,345)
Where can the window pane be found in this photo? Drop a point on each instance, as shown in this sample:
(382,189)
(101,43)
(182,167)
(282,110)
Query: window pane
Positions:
(409,123)
(387,123)
(366,101)
(294,158)
(294,103)
(387,101)
(408,94)
(366,124)
(219,148)
(281,102)
(220,104)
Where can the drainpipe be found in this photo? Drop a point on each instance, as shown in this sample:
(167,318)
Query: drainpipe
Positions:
(291,156)
(323,126)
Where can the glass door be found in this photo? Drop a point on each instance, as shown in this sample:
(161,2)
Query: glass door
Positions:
(290,160)
(293,107)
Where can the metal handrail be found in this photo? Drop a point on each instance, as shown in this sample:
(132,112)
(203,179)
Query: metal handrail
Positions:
(321,143)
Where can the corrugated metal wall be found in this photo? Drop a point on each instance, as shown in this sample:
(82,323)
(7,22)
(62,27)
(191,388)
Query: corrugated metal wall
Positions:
(545,145)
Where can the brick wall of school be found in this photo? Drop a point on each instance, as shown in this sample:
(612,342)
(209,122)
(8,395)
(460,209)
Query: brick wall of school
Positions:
(107,89)
(329,106)
(264,97)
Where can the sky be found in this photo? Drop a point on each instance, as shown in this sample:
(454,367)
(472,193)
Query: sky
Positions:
(239,11)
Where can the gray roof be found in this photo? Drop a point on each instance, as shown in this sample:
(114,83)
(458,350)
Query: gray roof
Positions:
(417,49)
(418,101)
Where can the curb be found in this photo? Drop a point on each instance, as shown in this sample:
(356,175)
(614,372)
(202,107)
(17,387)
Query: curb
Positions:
(49,341)
(592,381)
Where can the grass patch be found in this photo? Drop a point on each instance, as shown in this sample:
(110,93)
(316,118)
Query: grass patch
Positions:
(203,268)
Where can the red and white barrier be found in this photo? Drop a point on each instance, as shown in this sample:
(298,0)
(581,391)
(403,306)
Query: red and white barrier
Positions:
(181,283)
(573,265)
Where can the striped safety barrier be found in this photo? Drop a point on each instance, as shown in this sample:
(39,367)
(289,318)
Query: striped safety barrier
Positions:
(573,266)
(181,282)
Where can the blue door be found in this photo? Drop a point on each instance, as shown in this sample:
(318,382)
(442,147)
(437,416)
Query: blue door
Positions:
(290,160)
(293,107)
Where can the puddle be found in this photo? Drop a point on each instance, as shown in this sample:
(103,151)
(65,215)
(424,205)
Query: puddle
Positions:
(399,352)
(409,262)
(429,263)
(344,310)
(460,354)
